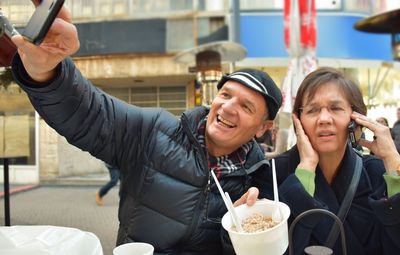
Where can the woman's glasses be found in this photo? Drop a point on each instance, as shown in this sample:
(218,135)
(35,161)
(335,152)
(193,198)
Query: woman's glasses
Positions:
(314,110)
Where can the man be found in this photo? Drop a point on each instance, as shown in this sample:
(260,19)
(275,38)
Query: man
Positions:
(114,178)
(168,198)
(396,131)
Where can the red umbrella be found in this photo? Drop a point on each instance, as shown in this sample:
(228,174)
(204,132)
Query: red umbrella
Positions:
(300,41)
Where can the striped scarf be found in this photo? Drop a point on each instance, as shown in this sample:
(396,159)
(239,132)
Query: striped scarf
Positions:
(226,164)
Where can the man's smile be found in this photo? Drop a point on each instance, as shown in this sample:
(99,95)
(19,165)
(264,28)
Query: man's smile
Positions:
(224,122)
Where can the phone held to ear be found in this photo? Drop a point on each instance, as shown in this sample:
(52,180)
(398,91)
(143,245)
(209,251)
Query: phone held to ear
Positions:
(42,19)
(352,133)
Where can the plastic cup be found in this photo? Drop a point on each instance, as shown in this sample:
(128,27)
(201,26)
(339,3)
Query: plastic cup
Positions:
(134,249)
(271,241)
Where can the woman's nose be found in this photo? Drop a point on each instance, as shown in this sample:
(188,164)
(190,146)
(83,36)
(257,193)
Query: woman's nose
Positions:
(325,115)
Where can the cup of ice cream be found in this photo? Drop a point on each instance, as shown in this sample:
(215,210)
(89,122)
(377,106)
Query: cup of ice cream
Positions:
(261,235)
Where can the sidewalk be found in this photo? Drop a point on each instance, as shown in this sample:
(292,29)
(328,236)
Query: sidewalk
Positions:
(68,202)
(14,188)
(97,179)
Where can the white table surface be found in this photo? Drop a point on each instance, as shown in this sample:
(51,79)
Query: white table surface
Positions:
(48,240)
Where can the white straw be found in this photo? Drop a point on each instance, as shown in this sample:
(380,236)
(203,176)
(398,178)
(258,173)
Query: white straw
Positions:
(275,183)
(276,215)
(226,200)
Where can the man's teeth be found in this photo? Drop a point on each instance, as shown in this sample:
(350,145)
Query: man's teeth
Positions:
(225,122)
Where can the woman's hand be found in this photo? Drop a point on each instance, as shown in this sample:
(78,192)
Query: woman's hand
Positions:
(61,41)
(308,156)
(382,146)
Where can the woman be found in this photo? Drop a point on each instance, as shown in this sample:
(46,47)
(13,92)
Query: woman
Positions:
(317,172)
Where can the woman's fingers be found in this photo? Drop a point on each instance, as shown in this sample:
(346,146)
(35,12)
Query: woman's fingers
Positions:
(308,156)
(298,127)
(382,145)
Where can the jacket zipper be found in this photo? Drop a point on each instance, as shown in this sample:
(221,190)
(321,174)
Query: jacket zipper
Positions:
(203,194)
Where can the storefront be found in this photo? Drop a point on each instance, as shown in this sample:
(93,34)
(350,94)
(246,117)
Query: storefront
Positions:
(18,134)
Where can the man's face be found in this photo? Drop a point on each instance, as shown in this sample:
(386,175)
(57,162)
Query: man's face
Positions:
(237,114)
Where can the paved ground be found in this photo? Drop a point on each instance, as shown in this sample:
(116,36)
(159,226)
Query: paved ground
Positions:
(69,206)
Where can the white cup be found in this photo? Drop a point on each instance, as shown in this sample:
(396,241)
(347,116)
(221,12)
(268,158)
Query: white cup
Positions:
(134,249)
(273,241)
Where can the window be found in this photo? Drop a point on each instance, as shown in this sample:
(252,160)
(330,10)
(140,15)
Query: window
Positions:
(17,126)
(17,11)
(214,5)
(171,98)
(82,8)
(180,34)
(209,25)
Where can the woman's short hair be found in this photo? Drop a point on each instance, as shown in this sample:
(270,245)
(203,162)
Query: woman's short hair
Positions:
(323,75)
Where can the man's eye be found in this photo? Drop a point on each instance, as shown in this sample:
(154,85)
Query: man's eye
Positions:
(248,109)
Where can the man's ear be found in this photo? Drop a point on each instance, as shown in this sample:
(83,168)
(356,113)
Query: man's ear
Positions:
(267,124)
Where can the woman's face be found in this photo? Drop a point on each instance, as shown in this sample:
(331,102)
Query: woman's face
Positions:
(325,118)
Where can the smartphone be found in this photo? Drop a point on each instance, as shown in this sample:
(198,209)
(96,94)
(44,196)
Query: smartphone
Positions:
(41,20)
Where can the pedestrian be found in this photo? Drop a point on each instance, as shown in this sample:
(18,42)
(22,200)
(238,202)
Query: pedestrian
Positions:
(396,131)
(321,169)
(280,139)
(383,121)
(168,198)
(114,178)
(266,141)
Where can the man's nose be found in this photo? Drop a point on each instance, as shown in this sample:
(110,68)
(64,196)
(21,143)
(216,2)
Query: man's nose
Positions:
(230,105)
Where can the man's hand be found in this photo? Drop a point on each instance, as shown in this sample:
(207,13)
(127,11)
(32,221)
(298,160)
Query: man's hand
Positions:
(249,198)
(60,42)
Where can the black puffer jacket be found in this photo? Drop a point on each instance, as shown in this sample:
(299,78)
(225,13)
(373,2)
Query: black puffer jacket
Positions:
(168,198)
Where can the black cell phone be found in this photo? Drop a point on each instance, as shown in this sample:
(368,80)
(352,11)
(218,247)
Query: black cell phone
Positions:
(352,133)
(41,20)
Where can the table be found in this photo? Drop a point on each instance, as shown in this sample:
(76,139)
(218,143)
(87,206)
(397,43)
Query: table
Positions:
(48,240)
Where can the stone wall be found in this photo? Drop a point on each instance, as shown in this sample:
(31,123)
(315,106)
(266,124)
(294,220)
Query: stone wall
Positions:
(58,158)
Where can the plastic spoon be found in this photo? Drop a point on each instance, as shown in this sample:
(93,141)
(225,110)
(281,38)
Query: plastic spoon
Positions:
(235,218)
(276,214)
(230,208)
